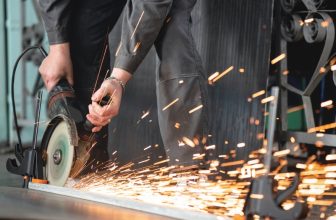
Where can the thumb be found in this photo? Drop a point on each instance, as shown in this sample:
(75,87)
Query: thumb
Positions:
(70,79)
(69,76)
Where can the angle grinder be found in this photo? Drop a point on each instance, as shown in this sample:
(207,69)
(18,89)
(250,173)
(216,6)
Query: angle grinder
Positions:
(68,139)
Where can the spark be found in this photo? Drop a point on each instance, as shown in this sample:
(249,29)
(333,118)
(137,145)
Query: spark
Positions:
(118,49)
(146,148)
(241,70)
(137,25)
(257,196)
(189,142)
(145,115)
(281,153)
(261,92)
(233,163)
(195,109)
(301,166)
(309,20)
(322,127)
(285,72)
(331,157)
(240,145)
(212,77)
(170,104)
(319,134)
(324,24)
(210,147)
(268,99)
(326,104)
(177,125)
(251,162)
(223,74)
(295,109)
(278,59)
(333,67)
(292,140)
(144,161)
(136,47)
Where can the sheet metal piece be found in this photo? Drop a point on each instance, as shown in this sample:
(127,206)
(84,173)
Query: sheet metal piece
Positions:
(164,210)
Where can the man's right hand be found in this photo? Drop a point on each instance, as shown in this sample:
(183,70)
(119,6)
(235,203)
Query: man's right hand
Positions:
(57,65)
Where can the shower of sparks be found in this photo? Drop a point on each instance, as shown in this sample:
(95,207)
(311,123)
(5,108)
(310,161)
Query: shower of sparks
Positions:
(170,104)
(278,59)
(257,94)
(222,74)
(160,184)
(326,103)
(195,109)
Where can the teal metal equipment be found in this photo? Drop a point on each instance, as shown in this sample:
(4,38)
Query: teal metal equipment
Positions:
(21,14)
(3,86)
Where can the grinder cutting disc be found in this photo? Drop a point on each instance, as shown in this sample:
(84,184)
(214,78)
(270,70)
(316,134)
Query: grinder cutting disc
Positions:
(59,153)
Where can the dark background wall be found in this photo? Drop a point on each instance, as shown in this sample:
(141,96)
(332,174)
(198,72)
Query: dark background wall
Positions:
(227,33)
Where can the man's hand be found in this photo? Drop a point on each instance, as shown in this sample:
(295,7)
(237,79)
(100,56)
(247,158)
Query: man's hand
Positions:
(57,65)
(102,115)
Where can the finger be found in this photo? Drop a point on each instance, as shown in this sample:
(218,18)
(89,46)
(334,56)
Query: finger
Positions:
(99,94)
(96,129)
(107,111)
(98,118)
(95,121)
(96,114)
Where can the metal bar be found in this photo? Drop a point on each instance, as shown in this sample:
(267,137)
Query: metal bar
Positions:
(310,138)
(284,92)
(155,208)
(273,106)
(292,88)
(308,110)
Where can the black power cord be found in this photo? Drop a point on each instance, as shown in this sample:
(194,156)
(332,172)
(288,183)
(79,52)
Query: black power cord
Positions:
(44,54)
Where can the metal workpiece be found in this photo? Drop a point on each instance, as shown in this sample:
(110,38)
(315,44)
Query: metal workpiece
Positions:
(154,208)
(19,203)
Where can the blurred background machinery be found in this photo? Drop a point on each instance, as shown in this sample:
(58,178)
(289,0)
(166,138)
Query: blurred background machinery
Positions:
(20,27)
